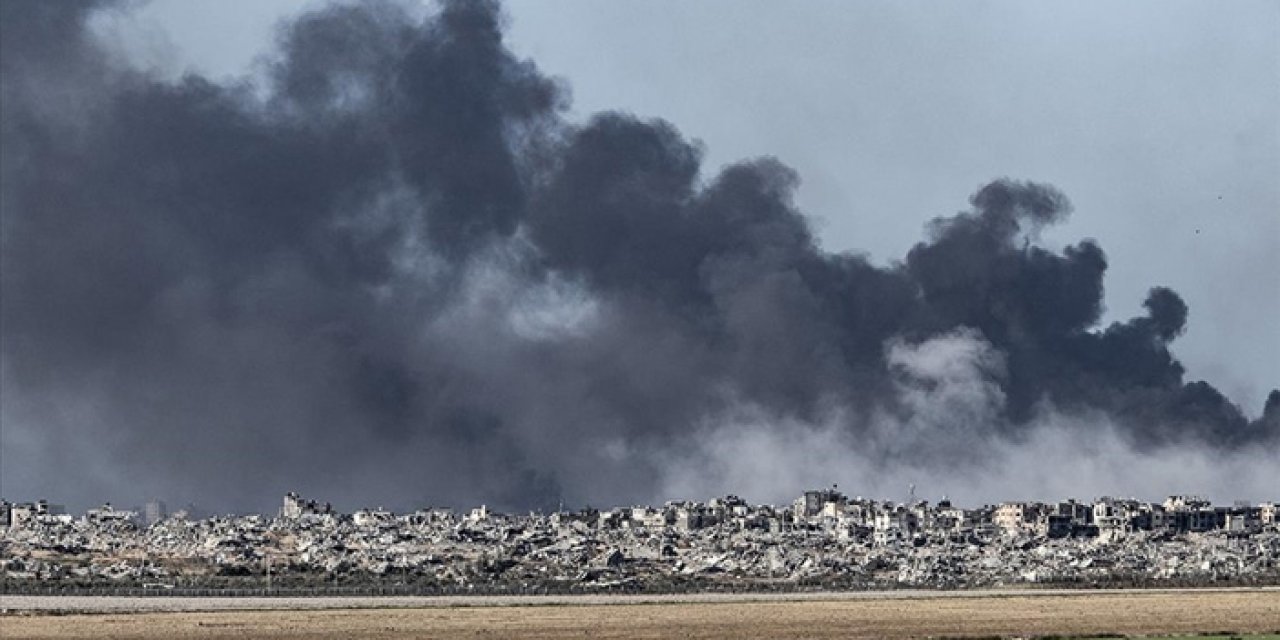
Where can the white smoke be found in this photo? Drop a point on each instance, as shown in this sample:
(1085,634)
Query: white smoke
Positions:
(944,438)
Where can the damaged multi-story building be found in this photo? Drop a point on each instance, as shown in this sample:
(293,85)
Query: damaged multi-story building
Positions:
(824,538)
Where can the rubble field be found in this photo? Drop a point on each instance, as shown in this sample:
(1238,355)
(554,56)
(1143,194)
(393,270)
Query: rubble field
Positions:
(685,547)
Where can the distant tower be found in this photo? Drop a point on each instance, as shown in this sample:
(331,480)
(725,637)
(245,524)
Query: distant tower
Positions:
(292,508)
(155,511)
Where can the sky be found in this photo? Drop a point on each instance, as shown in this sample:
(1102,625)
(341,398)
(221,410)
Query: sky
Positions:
(1160,120)
(603,253)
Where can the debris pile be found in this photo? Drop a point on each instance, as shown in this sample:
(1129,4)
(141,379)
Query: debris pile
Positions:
(823,540)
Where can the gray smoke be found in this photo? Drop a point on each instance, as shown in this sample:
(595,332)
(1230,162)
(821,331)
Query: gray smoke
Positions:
(396,274)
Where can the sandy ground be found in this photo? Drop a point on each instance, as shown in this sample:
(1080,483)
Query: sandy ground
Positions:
(858,615)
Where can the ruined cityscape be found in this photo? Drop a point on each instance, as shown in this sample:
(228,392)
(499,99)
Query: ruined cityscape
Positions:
(823,540)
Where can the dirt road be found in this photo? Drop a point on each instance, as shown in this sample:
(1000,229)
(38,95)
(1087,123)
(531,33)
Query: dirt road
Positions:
(877,615)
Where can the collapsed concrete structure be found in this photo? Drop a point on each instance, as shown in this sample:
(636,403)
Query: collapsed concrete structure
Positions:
(824,539)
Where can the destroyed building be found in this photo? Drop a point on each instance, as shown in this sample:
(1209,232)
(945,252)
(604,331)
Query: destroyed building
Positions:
(822,540)
(295,507)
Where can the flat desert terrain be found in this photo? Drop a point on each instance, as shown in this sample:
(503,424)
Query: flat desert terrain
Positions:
(880,615)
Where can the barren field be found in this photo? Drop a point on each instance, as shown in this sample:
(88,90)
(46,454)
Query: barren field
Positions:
(912,615)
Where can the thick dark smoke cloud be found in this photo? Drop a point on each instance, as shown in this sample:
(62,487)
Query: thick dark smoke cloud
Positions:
(394,272)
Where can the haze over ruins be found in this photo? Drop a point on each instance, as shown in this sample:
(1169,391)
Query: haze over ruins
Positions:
(394,268)
(822,540)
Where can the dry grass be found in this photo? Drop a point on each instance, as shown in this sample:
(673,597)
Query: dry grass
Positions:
(1078,614)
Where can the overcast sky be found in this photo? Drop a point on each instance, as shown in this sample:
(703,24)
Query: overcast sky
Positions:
(1160,120)
(359,254)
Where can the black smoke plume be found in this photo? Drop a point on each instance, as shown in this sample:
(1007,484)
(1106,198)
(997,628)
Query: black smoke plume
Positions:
(393,271)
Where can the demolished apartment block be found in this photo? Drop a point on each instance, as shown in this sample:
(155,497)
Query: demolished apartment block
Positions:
(822,539)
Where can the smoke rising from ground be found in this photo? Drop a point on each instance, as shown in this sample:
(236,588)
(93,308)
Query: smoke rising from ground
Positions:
(396,273)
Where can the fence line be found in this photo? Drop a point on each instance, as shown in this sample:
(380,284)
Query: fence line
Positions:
(31,588)
(415,590)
